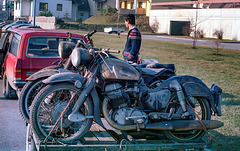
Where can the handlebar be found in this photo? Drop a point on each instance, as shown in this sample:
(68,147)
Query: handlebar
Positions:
(113,51)
(91,33)
(108,50)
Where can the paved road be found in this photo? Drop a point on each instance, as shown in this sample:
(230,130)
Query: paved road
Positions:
(208,43)
(12,127)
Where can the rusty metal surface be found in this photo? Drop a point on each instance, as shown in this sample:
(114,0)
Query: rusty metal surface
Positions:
(99,139)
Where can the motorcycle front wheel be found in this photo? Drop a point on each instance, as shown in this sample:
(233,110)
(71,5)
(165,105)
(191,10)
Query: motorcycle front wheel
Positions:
(202,109)
(47,108)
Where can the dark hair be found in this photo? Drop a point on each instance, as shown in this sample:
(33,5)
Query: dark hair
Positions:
(130,18)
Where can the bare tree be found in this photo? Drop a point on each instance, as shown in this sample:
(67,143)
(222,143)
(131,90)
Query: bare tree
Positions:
(218,42)
(194,23)
(193,27)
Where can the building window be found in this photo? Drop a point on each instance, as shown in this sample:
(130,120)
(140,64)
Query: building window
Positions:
(140,4)
(59,7)
(99,6)
(43,6)
(132,5)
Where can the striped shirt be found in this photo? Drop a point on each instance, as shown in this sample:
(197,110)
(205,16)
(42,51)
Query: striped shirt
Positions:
(133,45)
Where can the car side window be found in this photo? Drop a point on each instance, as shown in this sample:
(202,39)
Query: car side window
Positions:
(7,41)
(2,41)
(14,46)
(45,47)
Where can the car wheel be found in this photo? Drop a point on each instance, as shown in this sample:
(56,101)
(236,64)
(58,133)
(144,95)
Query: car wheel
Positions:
(8,91)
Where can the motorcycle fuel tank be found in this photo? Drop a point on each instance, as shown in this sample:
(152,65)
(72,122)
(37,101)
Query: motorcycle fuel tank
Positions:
(118,69)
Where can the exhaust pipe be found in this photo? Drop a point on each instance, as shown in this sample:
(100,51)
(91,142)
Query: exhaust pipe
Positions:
(184,125)
(175,125)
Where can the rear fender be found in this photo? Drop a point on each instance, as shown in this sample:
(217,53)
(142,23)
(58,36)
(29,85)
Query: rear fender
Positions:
(63,77)
(192,86)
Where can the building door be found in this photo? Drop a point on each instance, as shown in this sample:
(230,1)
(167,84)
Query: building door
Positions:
(179,28)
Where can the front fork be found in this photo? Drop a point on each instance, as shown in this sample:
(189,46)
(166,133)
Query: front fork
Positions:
(75,116)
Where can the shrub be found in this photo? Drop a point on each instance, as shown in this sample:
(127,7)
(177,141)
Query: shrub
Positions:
(79,20)
(142,23)
(187,30)
(155,26)
(200,33)
(87,27)
(108,11)
(46,13)
(59,21)
(219,33)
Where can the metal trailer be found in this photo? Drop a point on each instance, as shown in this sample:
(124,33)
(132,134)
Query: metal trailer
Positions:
(98,139)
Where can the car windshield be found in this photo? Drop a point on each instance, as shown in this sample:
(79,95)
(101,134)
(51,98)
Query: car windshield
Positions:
(20,22)
(45,47)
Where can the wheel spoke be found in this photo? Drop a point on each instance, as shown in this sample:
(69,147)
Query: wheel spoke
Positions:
(201,108)
(53,102)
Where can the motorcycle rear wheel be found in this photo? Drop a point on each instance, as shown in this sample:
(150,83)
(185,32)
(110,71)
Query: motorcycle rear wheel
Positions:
(29,91)
(202,109)
(47,108)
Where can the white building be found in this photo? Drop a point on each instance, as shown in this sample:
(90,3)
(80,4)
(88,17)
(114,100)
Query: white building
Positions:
(97,5)
(209,16)
(62,8)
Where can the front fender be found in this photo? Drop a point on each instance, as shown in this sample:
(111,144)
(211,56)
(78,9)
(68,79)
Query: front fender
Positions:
(63,77)
(96,106)
(45,73)
(42,74)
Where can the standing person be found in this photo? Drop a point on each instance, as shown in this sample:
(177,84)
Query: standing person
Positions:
(133,44)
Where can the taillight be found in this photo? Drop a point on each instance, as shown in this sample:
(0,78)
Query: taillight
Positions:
(17,74)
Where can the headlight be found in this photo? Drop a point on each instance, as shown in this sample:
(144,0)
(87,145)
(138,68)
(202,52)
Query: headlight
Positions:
(81,56)
(76,57)
(65,49)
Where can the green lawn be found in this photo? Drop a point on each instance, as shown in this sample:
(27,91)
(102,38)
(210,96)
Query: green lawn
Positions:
(223,70)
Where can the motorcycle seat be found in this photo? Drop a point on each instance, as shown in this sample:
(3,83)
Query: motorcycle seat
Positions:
(152,71)
(162,65)
(170,67)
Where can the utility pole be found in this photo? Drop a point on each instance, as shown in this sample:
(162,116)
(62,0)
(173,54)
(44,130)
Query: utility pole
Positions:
(135,6)
(34,12)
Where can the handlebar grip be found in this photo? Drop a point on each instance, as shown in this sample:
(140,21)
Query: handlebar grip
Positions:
(113,51)
(91,32)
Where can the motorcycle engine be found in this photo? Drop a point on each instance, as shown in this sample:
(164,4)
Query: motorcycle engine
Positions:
(128,116)
(116,95)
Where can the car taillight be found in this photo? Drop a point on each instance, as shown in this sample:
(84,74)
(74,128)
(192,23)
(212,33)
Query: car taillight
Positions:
(17,74)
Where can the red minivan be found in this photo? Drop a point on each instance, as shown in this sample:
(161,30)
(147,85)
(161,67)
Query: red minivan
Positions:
(26,51)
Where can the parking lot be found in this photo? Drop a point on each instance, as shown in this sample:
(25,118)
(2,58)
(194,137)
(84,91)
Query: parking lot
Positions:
(12,127)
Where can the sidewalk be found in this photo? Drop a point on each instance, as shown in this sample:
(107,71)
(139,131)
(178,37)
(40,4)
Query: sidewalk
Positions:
(200,42)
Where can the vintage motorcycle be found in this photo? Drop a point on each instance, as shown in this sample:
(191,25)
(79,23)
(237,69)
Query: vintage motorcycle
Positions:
(180,107)
(152,77)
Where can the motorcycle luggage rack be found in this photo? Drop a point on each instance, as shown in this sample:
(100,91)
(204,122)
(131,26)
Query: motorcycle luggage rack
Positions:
(99,139)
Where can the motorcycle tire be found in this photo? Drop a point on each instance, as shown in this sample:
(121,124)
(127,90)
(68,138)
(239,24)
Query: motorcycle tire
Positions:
(157,81)
(202,108)
(28,92)
(47,107)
